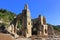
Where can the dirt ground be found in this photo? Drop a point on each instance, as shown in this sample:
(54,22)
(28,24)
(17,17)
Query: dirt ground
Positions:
(5,37)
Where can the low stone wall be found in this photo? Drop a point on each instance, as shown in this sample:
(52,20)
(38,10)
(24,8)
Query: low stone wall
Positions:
(23,39)
(52,39)
(38,39)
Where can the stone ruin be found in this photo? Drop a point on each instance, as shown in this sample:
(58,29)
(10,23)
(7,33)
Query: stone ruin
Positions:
(37,27)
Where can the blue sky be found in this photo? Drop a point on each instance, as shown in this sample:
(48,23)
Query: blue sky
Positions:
(48,8)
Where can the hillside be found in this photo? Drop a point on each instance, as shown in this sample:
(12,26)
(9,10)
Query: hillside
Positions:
(6,17)
(56,29)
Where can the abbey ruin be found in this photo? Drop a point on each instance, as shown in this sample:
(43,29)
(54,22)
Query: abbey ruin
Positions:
(29,27)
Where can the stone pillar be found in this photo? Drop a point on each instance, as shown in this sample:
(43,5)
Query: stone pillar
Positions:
(26,21)
(41,20)
(42,26)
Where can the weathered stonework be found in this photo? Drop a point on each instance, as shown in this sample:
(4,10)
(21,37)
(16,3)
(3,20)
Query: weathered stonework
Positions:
(26,21)
(42,26)
(36,27)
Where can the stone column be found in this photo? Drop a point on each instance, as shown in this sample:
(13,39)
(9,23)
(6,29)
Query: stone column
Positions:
(26,21)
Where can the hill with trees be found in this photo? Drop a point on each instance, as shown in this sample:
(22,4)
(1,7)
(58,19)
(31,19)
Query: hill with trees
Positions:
(6,17)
